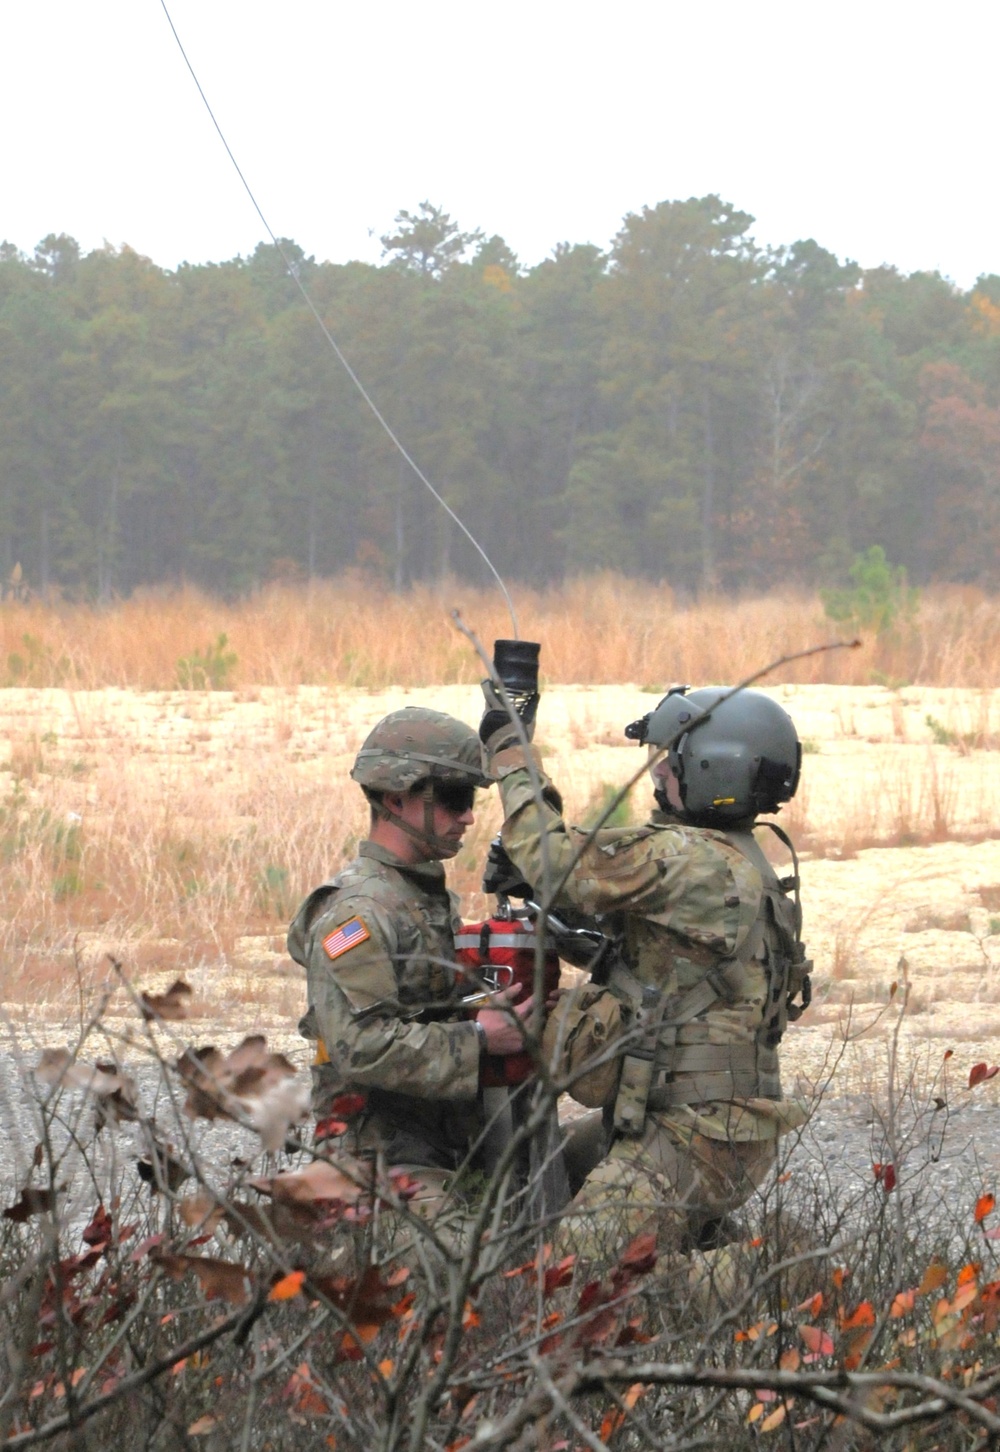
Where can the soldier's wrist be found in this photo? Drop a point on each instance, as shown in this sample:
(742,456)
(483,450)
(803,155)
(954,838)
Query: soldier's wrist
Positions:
(481,1036)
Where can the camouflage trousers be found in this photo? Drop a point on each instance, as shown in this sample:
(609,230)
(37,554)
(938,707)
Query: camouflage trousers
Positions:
(672,1182)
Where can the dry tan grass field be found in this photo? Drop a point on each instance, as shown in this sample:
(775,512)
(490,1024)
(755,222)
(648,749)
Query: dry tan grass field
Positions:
(176,831)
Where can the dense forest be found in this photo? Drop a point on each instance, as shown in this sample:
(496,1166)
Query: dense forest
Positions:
(687,406)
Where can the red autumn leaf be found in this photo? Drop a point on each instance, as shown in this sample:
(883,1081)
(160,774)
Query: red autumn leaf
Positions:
(886,1175)
(614,1419)
(839,1276)
(633,1334)
(590,1296)
(346,1106)
(302,1392)
(985,1205)
(329,1129)
(520,1270)
(598,1327)
(99,1230)
(287,1287)
(813,1304)
(640,1255)
(368,1301)
(817,1340)
(979,1073)
(902,1303)
(863,1315)
(560,1274)
(969,1273)
(403,1185)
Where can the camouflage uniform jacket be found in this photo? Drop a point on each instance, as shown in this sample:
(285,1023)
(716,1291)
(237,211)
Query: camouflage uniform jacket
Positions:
(680,900)
(377,943)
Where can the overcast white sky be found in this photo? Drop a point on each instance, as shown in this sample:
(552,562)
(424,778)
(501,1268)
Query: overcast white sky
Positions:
(869,126)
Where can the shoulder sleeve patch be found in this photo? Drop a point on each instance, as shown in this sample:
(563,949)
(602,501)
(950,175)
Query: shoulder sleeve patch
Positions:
(347,936)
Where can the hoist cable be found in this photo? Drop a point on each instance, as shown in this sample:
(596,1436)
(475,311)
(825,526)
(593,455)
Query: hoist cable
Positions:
(293,273)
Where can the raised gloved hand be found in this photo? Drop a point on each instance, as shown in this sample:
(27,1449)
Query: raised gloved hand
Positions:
(516,665)
(496,716)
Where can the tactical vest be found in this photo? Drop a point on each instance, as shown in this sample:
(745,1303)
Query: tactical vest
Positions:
(663,1071)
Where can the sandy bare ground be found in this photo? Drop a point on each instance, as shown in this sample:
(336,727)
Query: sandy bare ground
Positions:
(915,770)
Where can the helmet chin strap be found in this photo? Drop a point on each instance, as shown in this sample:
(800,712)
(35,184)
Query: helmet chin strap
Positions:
(438,848)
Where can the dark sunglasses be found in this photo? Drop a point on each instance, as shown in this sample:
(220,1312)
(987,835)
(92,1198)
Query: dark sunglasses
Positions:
(456,797)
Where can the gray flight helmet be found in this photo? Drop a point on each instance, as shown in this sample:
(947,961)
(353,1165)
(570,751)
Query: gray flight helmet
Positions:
(734,756)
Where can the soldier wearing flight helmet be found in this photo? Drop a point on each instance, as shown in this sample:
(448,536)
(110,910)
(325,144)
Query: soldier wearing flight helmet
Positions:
(707,969)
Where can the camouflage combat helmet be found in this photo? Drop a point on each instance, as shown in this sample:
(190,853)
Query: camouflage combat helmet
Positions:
(738,760)
(414,744)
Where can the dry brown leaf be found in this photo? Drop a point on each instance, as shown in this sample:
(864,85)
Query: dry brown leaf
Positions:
(32,1202)
(161,1169)
(346,1182)
(221,1280)
(201,1211)
(277,1224)
(58,1067)
(273,1115)
(171,1006)
(249,1083)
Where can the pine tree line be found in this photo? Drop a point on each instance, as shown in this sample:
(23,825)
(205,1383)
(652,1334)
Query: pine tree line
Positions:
(687,406)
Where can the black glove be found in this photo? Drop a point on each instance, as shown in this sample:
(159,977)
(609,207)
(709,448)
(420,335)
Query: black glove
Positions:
(501,877)
(496,715)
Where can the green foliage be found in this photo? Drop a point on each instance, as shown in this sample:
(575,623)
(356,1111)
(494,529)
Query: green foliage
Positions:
(941,734)
(36,664)
(688,405)
(209,669)
(879,597)
(274,893)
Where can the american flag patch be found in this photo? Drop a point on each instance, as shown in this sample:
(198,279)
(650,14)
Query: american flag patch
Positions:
(348,935)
